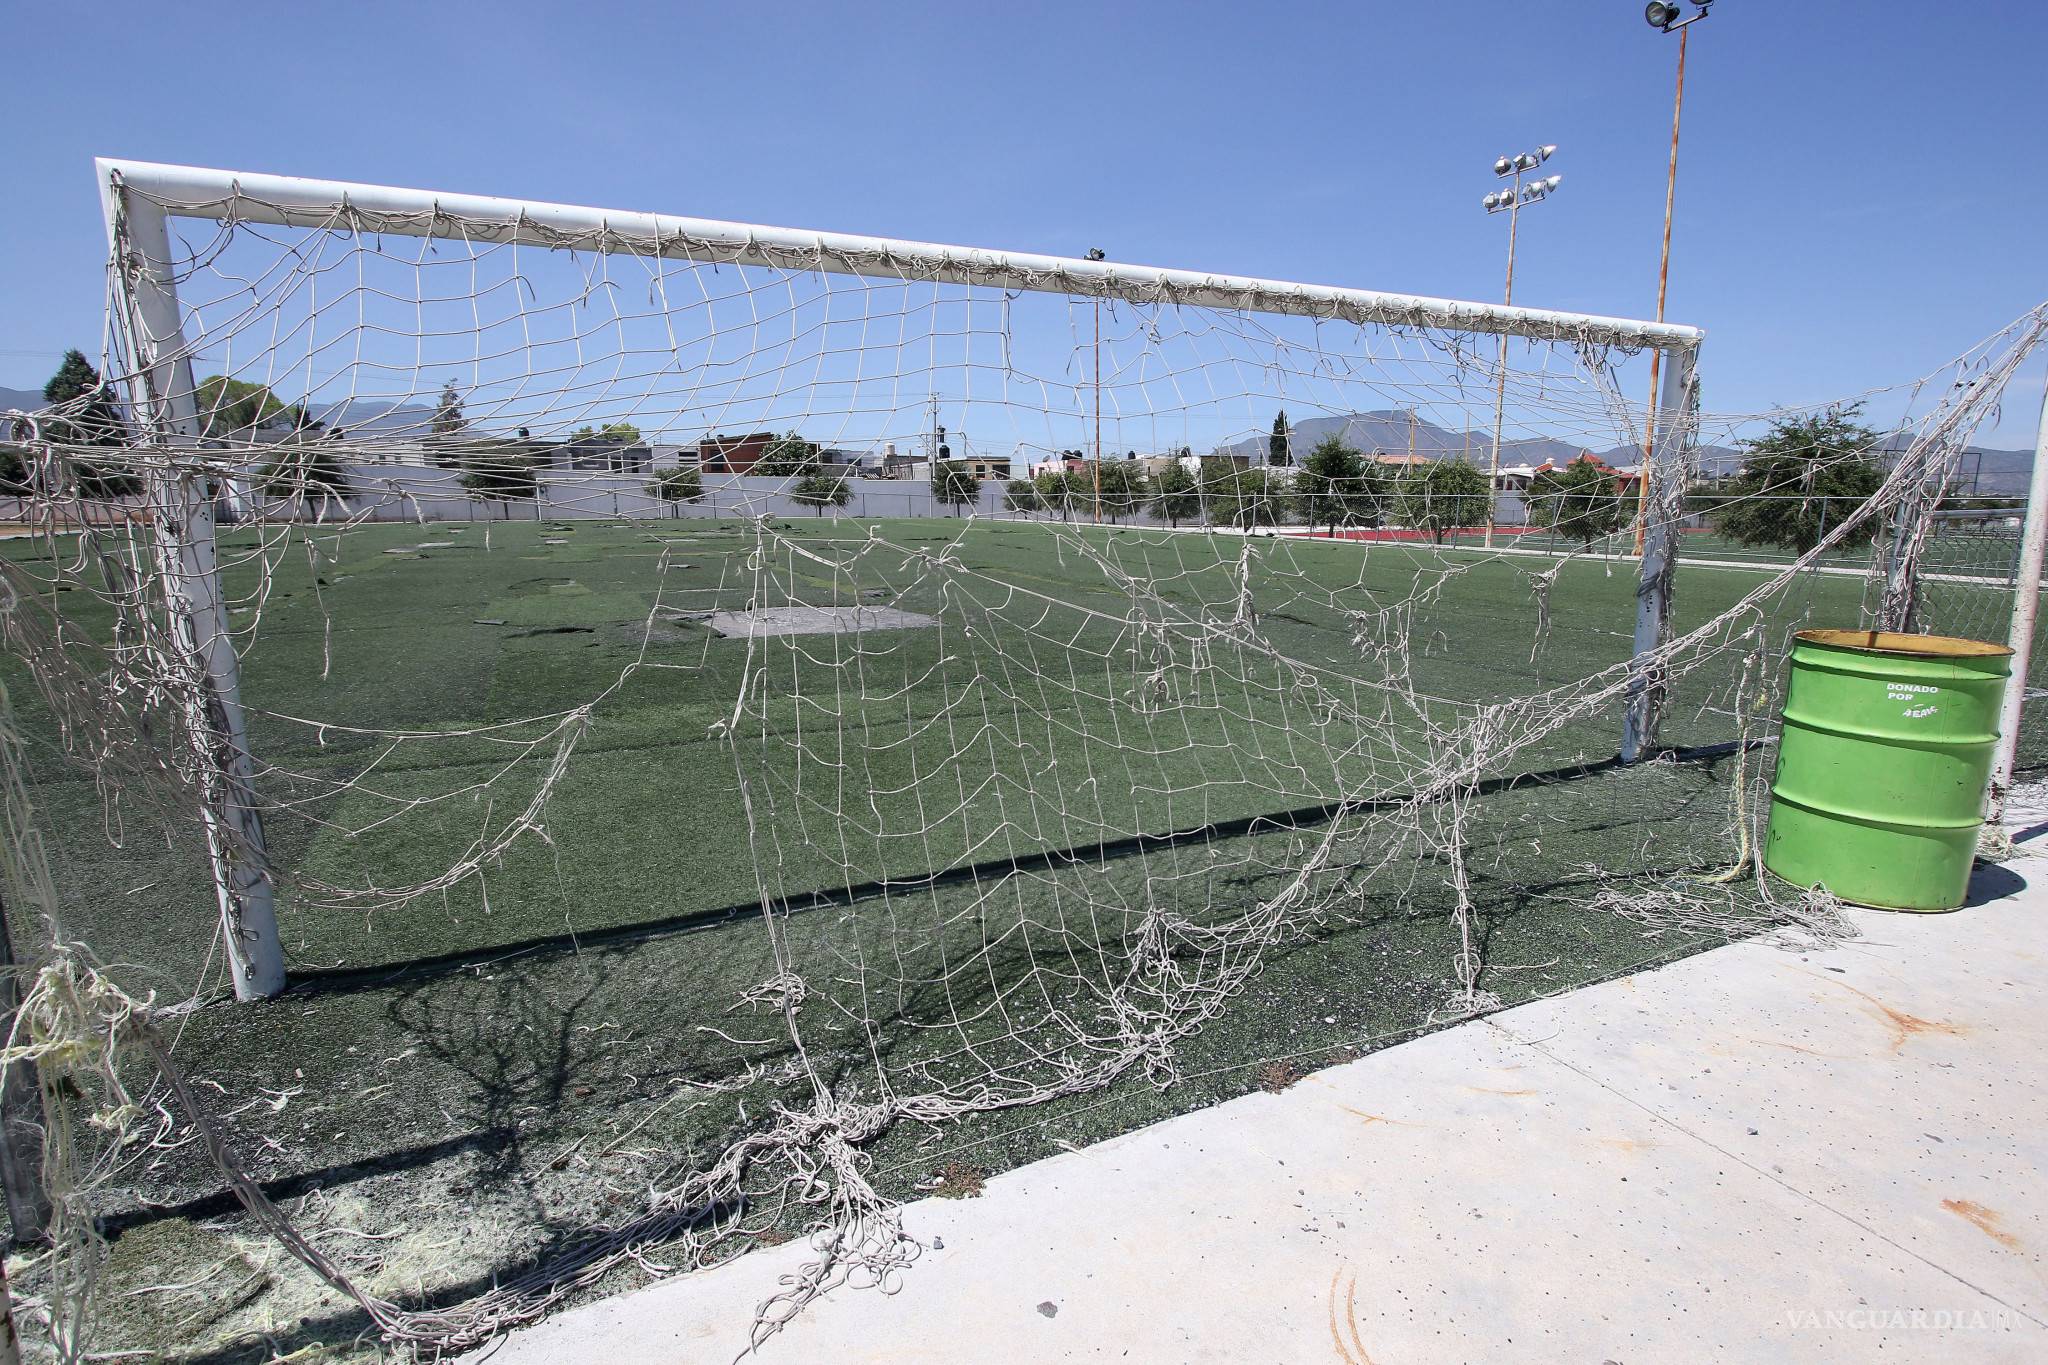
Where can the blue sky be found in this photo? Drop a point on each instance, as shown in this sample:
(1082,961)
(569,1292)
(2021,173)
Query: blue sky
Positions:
(1859,195)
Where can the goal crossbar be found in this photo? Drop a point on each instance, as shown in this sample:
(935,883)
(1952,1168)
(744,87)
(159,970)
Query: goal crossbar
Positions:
(291,201)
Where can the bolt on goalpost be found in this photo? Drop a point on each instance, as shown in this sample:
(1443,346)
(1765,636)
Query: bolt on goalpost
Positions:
(139,198)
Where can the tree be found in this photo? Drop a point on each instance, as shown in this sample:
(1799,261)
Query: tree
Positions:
(624,433)
(448,420)
(1247,498)
(14,469)
(1441,496)
(1021,495)
(679,485)
(1579,502)
(306,472)
(236,409)
(1175,494)
(1339,486)
(1280,445)
(1215,478)
(789,456)
(1119,486)
(954,484)
(1803,476)
(500,473)
(819,491)
(1056,492)
(90,418)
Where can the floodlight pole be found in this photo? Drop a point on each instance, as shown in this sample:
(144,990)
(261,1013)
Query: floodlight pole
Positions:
(1663,272)
(2026,606)
(1500,379)
(203,661)
(1666,465)
(1522,161)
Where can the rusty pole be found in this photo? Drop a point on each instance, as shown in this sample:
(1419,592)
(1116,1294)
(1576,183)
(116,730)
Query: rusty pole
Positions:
(1663,279)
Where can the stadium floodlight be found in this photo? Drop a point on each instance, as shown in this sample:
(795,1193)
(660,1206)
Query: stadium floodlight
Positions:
(1512,200)
(1664,16)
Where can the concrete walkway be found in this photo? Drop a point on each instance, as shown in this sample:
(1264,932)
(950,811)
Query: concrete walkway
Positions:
(1750,1155)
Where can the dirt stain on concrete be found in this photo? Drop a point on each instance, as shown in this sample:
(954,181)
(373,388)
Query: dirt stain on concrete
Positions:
(1627,1144)
(1377,1118)
(1360,1113)
(1901,1024)
(1344,1317)
(1985,1220)
(1800,1048)
(1489,1090)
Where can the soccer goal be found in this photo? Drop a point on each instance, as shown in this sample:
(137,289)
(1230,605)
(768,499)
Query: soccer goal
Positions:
(949,681)
(396,317)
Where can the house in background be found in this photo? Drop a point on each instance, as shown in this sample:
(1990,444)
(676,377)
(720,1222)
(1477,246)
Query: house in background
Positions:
(986,467)
(733,454)
(1625,477)
(896,464)
(602,454)
(1066,462)
(1398,465)
(1516,478)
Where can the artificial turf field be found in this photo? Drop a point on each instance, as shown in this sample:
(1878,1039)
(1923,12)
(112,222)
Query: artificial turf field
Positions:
(515,1056)
(648,824)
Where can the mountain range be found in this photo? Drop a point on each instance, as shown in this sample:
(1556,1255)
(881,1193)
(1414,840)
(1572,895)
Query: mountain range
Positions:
(1987,471)
(1396,431)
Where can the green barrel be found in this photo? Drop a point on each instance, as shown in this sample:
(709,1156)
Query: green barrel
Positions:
(1882,765)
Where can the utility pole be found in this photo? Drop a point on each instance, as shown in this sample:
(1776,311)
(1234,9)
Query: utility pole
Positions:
(1511,201)
(1664,18)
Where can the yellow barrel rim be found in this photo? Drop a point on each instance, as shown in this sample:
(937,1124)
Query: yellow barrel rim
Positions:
(1896,642)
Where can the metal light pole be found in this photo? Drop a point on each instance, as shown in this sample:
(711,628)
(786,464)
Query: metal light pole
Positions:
(1664,18)
(1511,200)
